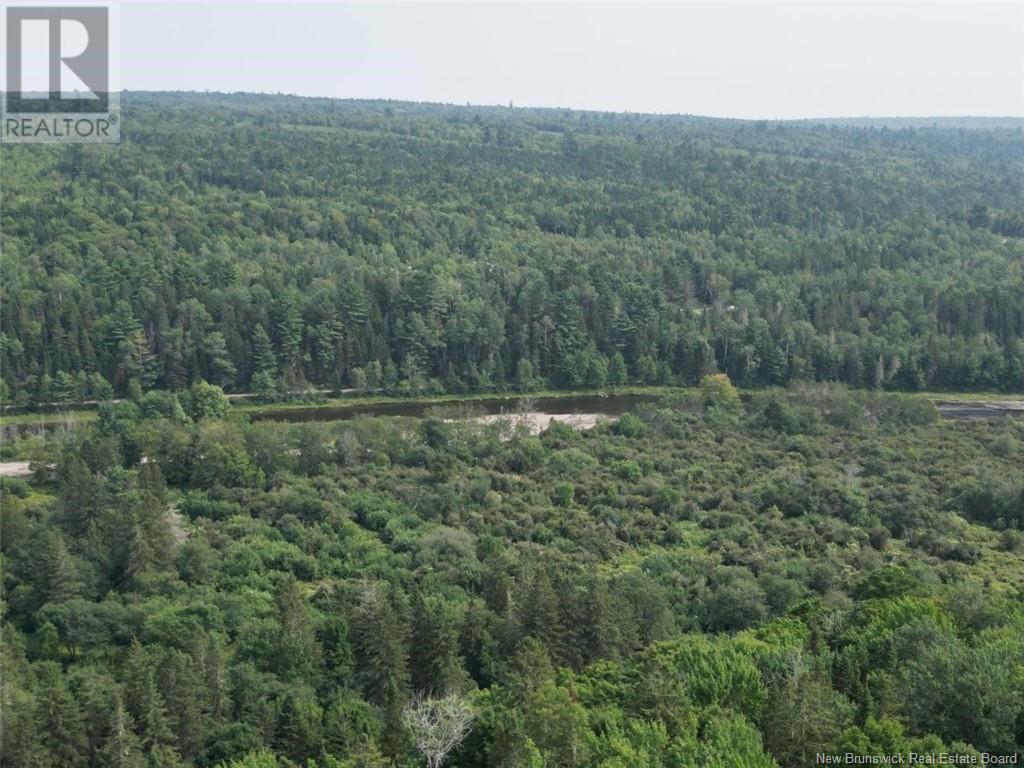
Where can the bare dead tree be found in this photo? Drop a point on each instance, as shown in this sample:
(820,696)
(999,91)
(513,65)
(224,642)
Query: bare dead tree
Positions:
(437,725)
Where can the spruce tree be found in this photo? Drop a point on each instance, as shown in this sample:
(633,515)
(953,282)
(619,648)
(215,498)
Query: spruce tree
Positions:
(59,718)
(264,359)
(122,748)
(437,666)
(54,576)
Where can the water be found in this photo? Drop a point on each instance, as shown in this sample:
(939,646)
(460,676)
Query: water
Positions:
(979,410)
(610,406)
(585,408)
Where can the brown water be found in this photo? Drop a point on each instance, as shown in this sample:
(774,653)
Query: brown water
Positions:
(610,406)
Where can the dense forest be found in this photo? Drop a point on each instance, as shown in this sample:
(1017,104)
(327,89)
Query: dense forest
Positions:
(704,582)
(820,567)
(274,244)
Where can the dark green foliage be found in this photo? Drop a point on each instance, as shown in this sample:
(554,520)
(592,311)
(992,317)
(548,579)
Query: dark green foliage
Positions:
(271,243)
(713,580)
(726,585)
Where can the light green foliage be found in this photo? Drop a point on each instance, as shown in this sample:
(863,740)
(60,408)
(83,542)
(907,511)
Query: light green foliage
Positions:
(206,401)
(717,392)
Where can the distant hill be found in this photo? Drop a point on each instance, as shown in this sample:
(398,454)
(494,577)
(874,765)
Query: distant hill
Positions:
(263,241)
(919,122)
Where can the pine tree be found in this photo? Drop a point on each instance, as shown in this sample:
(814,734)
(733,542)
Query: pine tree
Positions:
(437,667)
(617,372)
(325,339)
(219,364)
(289,334)
(297,653)
(181,684)
(540,615)
(55,572)
(138,560)
(96,693)
(600,633)
(81,496)
(154,523)
(64,387)
(336,648)
(122,748)
(59,718)
(144,701)
(264,359)
(379,640)
(22,737)
(298,733)
(218,702)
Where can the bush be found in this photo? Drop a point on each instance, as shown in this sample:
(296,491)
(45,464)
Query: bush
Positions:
(718,393)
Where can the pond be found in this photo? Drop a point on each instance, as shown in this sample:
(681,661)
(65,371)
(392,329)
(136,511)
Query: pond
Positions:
(581,410)
(979,410)
(583,407)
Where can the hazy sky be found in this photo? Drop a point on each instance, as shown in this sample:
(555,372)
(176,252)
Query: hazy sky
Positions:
(771,60)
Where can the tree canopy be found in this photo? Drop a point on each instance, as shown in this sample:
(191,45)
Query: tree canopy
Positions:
(270,243)
(815,570)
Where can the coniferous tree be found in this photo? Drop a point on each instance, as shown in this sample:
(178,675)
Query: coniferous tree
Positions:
(55,579)
(122,748)
(59,719)
(437,665)
(296,652)
(264,359)
(381,652)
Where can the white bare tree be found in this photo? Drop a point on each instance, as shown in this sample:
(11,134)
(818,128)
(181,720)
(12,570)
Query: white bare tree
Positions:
(437,724)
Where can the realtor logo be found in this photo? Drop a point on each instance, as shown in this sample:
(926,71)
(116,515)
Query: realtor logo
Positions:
(59,73)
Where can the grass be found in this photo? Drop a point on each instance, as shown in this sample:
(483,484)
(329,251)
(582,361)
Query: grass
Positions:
(60,417)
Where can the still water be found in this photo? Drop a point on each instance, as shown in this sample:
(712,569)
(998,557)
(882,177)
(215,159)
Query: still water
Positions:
(611,406)
(585,407)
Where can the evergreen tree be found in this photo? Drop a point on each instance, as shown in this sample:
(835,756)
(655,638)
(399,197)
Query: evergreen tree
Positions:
(437,666)
(289,334)
(122,748)
(541,616)
(219,364)
(380,645)
(59,719)
(55,579)
(146,705)
(81,496)
(296,653)
(264,359)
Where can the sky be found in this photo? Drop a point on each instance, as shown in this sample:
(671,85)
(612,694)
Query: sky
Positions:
(743,60)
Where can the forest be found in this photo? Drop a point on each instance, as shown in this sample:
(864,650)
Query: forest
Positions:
(704,582)
(275,244)
(781,557)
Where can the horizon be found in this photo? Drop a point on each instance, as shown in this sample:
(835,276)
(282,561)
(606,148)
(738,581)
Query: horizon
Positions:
(531,107)
(744,61)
